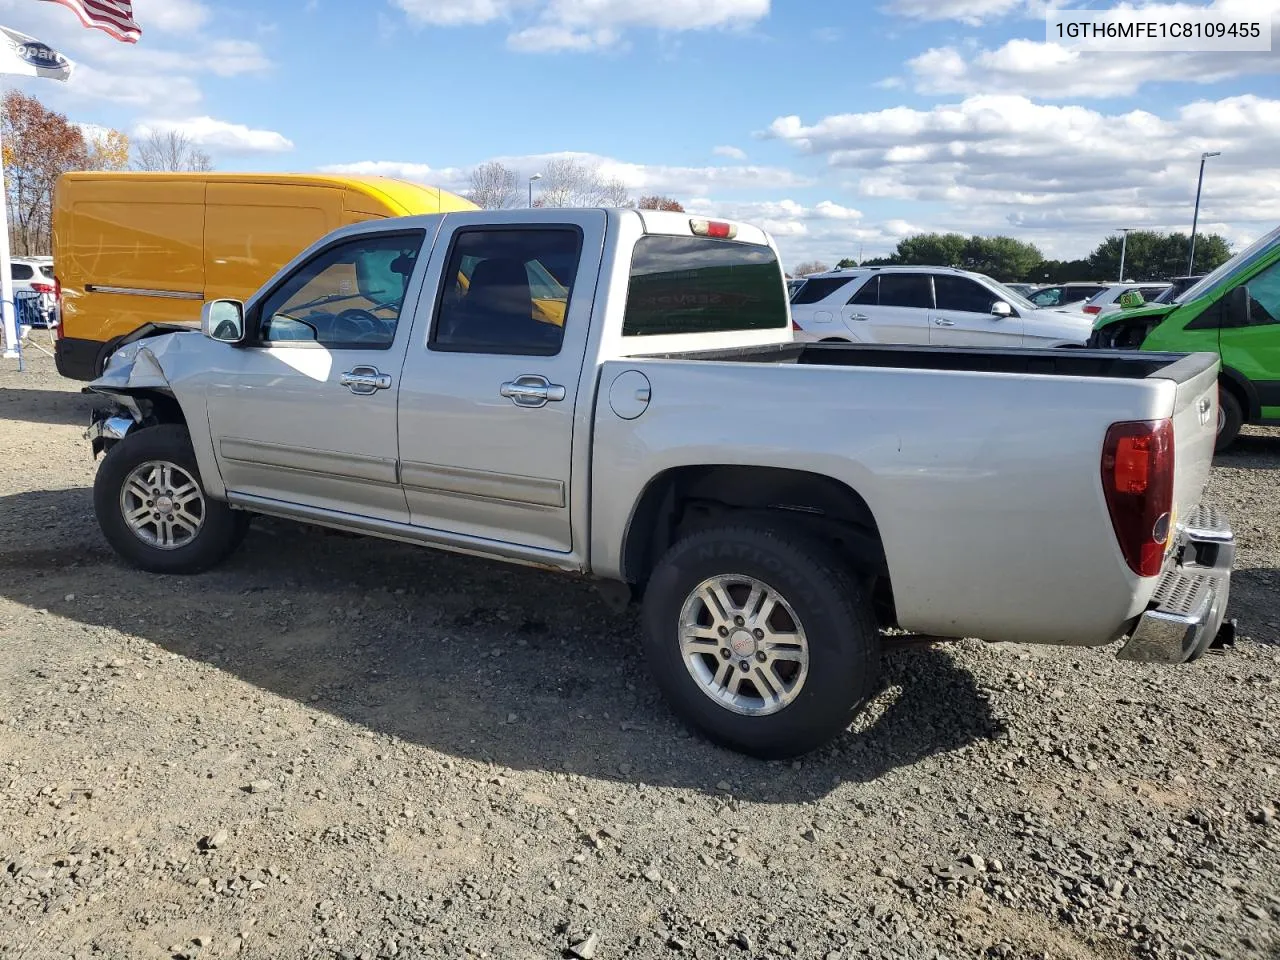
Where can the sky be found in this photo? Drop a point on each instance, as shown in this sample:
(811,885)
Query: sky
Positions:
(840,126)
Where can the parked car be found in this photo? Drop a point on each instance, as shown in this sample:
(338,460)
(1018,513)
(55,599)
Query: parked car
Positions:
(1234,312)
(937,305)
(139,249)
(770,503)
(1109,299)
(35,291)
(1176,286)
(1065,294)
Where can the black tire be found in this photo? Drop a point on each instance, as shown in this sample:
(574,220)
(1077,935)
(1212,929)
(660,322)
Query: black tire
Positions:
(844,644)
(1230,419)
(219,533)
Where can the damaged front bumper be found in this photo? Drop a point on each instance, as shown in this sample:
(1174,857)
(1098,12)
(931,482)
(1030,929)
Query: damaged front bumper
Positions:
(1188,611)
(107,427)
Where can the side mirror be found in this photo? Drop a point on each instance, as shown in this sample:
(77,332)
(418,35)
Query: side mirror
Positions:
(223,320)
(1001,309)
(1238,308)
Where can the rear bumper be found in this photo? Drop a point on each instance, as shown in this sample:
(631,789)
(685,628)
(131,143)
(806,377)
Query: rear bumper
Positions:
(1190,602)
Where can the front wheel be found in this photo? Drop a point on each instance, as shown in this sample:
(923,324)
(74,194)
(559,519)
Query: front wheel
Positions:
(760,638)
(152,507)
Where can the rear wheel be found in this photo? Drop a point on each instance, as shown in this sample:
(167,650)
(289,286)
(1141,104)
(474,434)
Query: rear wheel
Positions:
(152,508)
(760,639)
(1230,419)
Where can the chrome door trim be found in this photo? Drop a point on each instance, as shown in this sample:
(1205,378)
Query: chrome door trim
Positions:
(408,533)
(364,380)
(145,292)
(532,390)
(482,485)
(324,463)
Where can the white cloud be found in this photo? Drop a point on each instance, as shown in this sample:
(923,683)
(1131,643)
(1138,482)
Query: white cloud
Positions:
(555,39)
(967,11)
(219,135)
(733,153)
(449,178)
(1060,172)
(171,16)
(550,26)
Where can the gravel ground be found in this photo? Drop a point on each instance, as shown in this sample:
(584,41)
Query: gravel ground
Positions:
(336,747)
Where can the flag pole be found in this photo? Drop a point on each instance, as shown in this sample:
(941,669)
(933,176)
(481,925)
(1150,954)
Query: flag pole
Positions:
(11,348)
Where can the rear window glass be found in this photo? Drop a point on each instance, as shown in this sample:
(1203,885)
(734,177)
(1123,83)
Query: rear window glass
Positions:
(698,285)
(906,290)
(819,288)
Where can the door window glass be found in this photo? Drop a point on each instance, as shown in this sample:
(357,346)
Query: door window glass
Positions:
(868,294)
(348,296)
(1264,297)
(906,290)
(507,291)
(962,294)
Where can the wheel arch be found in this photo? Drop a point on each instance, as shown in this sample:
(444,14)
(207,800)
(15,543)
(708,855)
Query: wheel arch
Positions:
(1244,390)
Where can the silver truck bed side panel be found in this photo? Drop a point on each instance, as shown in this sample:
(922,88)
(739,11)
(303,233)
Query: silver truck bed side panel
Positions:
(986,487)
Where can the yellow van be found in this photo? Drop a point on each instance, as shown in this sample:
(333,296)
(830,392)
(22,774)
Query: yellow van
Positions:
(135,249)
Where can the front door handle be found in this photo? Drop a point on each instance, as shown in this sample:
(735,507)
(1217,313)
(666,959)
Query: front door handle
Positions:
(532,390)
(365,380)
(943,322)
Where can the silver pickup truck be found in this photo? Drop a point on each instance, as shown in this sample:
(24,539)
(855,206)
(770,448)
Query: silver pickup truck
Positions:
(616,394)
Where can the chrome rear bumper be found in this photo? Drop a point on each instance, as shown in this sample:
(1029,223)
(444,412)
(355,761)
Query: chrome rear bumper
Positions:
(1190,602)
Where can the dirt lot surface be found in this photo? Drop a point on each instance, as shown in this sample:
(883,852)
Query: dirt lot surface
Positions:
(336,747)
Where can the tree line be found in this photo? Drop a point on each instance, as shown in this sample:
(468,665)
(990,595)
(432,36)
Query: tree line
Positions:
(1148,255)
(41,144)
(564,182)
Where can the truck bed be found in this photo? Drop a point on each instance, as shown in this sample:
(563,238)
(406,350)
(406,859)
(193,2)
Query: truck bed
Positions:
(1119,364)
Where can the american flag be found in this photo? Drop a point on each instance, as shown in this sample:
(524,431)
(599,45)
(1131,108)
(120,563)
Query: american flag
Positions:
(113,16)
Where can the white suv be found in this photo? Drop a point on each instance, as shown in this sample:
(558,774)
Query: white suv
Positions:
(34,275)
(937,305)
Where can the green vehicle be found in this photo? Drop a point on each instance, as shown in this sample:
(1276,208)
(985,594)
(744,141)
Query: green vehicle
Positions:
(1233,312)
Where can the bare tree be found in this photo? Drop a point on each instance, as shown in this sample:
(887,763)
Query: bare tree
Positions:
(494,186)
(658,202)
(572,183)
(170,150)
(804,269)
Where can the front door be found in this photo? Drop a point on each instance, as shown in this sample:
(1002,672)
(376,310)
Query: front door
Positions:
(1254,349)
(963,317)
(305,412)
(490,401)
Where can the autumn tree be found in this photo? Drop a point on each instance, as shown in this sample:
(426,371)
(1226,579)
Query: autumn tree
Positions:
(572,183)
(810,267)
(170,151)
(108,149)
(39,146)
(494,186)
(660,203)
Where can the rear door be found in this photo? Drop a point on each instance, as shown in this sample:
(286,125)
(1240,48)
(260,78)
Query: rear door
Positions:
(489,397)
(891,308)
(962,316)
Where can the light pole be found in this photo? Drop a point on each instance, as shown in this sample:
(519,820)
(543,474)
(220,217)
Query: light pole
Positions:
(536,176)
(1195,218)
(1124,243)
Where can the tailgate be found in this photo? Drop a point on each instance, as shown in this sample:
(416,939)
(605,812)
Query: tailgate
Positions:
(1195,426)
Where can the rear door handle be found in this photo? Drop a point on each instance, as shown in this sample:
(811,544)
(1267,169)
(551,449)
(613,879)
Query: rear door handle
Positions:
(532,390)
(943,322)
(858,316)
(365,380)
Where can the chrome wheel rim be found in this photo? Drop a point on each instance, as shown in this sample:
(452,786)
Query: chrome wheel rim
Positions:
(743,644)
(162,505)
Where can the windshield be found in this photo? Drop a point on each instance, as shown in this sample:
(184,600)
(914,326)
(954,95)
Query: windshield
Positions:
(1013,296)
(1240,262)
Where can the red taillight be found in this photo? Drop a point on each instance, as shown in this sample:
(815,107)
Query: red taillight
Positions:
(1137,479)
(796,326)
(716,229)
(42,287)
(1092,309)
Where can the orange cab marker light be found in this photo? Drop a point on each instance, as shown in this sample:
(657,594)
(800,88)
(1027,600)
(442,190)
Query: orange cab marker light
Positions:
(717,229)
